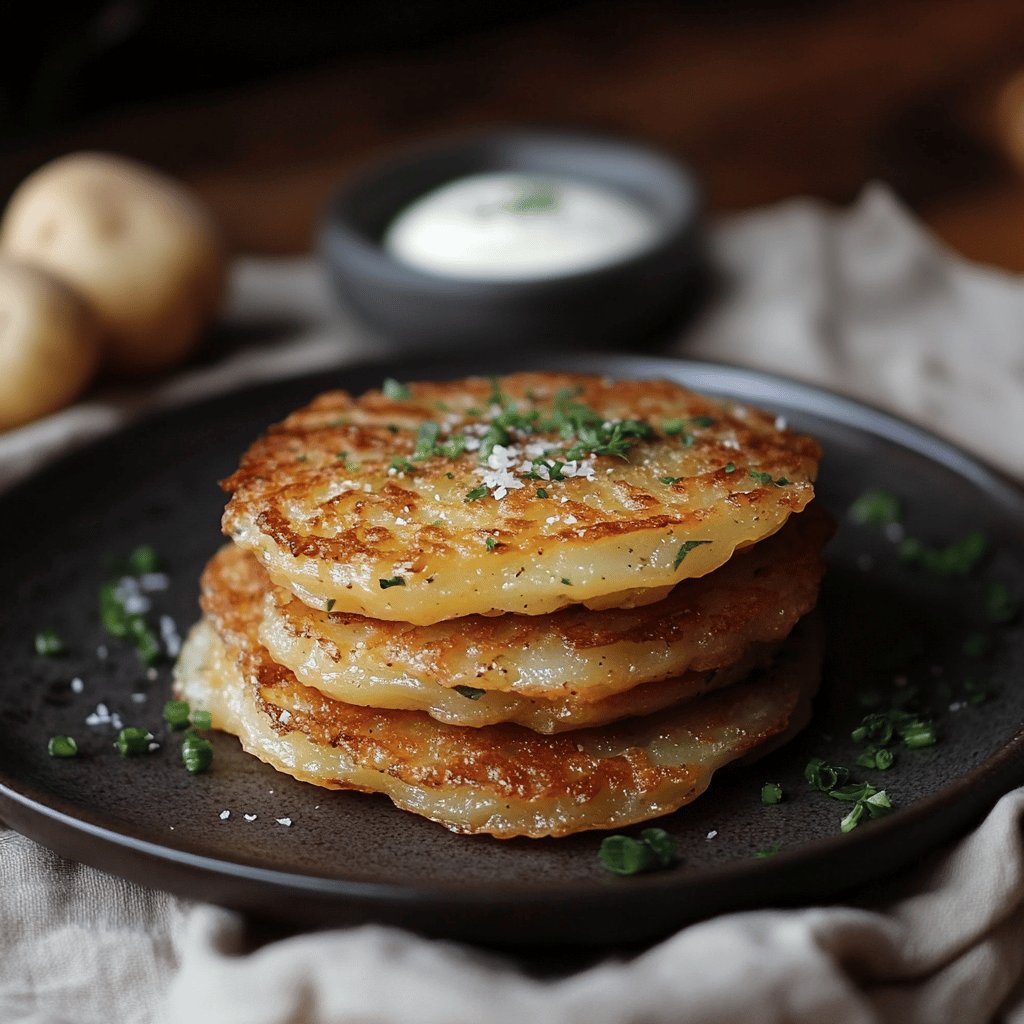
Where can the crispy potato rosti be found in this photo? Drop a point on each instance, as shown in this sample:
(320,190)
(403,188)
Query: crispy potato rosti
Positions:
(526,494)
(504,780)
(550,673)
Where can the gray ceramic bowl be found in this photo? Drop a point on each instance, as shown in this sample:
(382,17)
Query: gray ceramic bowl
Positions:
(621,302)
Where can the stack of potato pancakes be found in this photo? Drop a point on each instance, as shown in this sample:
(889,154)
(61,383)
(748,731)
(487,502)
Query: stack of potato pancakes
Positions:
(523,606)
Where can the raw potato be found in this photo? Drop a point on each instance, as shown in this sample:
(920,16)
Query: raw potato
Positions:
(135,243)
(49,344)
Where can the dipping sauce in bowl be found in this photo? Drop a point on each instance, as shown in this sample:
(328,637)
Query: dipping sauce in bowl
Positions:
(532,239)
(505,226)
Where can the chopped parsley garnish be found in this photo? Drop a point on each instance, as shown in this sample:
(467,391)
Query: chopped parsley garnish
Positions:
(176,714)
(401,465)
(766,478)
(1000,604)
(672,428)
(142,560)
(768,851)
(729,467)
(876,508)
(196,753)
(475,494)
(133,740)
(541,493)
(329,604)
(395,390)
(702,421)
(395,581)
(470,692)
(685,548)
(771,793)
(48,643)
(62,746)
(957,559)
(670,479)
(566,581)
(491,543)
(655,850)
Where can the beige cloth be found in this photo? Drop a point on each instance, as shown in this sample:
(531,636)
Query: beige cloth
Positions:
(860,300)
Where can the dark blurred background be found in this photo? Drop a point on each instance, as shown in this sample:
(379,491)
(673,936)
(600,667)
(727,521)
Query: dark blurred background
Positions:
(263,107)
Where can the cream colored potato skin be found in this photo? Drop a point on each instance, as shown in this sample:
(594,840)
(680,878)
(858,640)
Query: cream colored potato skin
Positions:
(49,344)
(135,243)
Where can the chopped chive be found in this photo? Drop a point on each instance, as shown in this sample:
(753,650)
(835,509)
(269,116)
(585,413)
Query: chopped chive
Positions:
(671,428)
(768,851)
(703,421)
(766,478)
(62,746)
(426,440)
(685,548)
(400,465)
(977,645)
(852,820)
(878,804)
(771,793)
(176,714)
(623,855)
(825,777)
(143,559)
(470,692)
(854,792)
(49,644)
(1000,604)
(670,479)
(395,581)
(541,493)
(957,559)
(395,390)
(875,508)
(133,740)
(920,735)
(977,692)
(202,720)
(876,757)
(566,581)
(196,753)
(491,543)
(329,604)
(475,494)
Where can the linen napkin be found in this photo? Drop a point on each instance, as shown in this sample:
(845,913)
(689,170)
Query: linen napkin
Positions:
(860,300)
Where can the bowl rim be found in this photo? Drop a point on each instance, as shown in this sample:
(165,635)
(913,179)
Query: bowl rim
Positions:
(343,242)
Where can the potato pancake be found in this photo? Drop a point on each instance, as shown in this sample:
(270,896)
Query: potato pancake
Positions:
(540,671)
(503,780)
(522,494)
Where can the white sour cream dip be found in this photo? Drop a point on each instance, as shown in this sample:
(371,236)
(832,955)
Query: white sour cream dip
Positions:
(515,226)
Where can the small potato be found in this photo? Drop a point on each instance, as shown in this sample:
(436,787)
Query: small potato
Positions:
(135,243)
(49,343)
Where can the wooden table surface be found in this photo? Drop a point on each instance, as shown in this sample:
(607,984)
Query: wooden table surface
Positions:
(805,98)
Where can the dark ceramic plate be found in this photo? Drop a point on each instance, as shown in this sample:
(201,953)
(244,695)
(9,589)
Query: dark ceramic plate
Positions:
(349,857)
